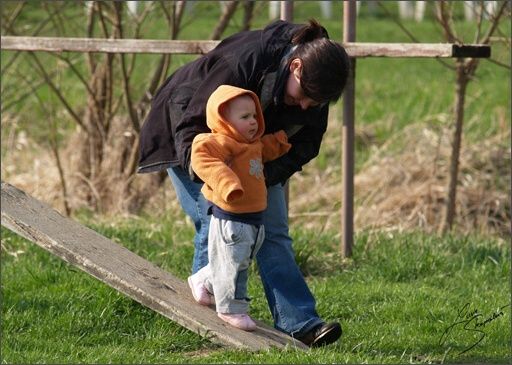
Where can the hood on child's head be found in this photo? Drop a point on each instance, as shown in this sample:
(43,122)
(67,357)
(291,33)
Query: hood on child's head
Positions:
(217,123)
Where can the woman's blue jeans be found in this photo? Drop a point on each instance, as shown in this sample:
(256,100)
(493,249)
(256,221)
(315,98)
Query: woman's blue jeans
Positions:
(291,302)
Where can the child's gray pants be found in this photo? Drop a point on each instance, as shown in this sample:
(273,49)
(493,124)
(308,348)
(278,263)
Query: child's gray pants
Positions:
(231,248)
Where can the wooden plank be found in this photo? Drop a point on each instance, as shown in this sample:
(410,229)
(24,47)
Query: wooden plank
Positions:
(417,50)
(51,44)
(354,49)
(127,272)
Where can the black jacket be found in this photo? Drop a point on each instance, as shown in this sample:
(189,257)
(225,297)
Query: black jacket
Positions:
(244,60)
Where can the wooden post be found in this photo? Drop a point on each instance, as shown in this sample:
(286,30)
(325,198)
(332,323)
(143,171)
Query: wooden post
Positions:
(347,201)
(287,14)
(287,11)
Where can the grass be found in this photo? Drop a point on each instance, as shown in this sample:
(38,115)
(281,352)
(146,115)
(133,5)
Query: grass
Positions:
(395,298)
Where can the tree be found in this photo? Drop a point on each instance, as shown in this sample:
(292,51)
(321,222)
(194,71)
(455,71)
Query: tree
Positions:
(465,69)
(486,26)
(102,155)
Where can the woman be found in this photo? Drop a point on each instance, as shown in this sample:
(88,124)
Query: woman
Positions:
(296,71)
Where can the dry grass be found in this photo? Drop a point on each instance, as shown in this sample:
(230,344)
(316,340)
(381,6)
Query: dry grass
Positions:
(405,187)
(401,186)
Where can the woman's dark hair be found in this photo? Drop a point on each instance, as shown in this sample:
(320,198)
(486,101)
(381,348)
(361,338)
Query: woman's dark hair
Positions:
(325,63)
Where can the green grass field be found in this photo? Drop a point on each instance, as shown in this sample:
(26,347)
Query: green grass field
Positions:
(397,299)
(406,296)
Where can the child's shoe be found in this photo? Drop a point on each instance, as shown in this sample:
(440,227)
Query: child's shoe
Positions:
(238,320)
(199,291)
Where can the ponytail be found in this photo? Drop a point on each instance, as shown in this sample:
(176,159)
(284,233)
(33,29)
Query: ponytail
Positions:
(309,33)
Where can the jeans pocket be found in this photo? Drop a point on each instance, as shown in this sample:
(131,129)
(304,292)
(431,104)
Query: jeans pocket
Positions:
(232,232)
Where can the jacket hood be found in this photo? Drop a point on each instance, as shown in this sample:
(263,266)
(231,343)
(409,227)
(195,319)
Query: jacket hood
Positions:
(218,124)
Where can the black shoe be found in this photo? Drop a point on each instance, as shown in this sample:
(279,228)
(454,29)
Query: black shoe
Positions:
(323,334)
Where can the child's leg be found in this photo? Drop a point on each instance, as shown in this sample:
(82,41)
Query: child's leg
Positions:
(231,249)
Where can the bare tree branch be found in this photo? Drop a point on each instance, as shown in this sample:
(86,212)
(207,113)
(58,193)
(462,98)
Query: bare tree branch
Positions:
(398,22)
(55,89)
(494,24)
(227,14)
(248,15)
(7,22)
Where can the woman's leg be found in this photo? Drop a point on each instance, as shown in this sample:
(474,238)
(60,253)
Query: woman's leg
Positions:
(289,298)
(195,206)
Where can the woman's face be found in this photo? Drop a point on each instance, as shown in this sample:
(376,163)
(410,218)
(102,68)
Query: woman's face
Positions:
(293,94)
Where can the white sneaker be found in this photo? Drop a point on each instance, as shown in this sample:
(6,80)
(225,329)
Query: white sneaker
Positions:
(239,320)
(199,291)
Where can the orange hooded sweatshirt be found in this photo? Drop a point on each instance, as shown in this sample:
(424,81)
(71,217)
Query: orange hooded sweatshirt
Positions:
(230,165)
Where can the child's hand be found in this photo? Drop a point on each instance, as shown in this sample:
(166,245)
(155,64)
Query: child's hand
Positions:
(234,195)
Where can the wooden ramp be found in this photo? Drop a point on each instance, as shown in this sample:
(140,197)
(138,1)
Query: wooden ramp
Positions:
(127,272)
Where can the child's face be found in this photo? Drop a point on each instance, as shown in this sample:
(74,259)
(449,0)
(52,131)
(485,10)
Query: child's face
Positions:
(293,94)
(241,114)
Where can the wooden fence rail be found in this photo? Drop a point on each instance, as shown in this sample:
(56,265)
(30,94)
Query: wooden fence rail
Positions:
(55,44)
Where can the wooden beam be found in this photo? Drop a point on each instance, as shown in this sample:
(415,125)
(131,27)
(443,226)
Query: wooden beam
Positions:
(50,44)
(127,272)
(417,50)
(348,132)
(354,49)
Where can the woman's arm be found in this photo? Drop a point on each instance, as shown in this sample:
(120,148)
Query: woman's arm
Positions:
(305,146)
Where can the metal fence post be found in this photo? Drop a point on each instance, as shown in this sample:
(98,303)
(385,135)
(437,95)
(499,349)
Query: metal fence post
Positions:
(347,214)
(287,14)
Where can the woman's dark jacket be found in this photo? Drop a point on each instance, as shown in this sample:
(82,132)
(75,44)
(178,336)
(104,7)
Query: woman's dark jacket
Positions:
(248,60)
